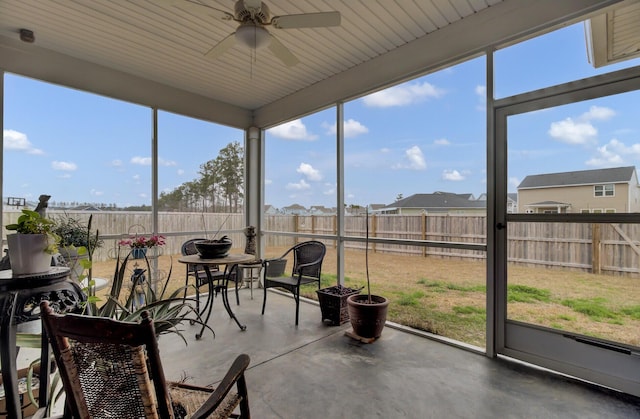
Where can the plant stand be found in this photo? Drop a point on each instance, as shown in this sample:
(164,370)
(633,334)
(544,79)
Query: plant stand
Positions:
(333,303)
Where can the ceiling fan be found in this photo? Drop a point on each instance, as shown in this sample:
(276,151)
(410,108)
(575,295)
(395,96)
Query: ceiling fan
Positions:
(254,16)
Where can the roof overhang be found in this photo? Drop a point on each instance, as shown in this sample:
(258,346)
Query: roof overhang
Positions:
(614,36)
(152,53)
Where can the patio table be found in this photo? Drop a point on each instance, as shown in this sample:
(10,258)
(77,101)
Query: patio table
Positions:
(20,298)
(230,263)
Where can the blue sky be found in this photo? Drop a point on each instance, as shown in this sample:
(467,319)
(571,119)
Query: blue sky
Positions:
(422,136)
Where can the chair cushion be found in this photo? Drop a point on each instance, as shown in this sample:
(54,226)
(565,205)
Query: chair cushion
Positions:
(190,400)
(291,280)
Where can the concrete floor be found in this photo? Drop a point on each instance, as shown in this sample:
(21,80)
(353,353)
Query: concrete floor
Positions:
(315,371)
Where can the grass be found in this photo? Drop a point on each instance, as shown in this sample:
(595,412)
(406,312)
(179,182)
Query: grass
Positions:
(448,296)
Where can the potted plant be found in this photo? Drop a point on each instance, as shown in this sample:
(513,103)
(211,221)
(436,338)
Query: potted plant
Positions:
(140,244)
(367,312)
(76,241)
(32,245)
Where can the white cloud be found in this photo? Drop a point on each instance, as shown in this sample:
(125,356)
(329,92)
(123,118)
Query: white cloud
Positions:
(142,161)
(268,181)
(294,130)
(300,186)
(163,162)
(95,192)
(352,128)
(136,177)
(18,141)
(614,153)
(65,176)
(415,159)
(180,172)
(403,95)
(599,113)
(116,163)
(514,181)
(64,166)
(385,150)
(481,90)
(146,161)
(580,130)
(308,170)
(331,189)
(442,141)
(573,132)
(452,175)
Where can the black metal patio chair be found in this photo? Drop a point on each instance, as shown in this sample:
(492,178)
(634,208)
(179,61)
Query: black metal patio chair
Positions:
(307,265)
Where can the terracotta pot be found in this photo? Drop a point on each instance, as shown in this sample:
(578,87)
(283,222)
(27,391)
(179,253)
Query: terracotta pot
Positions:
(27,253)
(367,319)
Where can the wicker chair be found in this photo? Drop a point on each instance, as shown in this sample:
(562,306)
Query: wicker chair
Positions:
(112,369)
(200,276)
(307,264)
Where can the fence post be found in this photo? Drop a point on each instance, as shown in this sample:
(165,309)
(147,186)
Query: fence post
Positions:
(595,248)
(424,233)
(373,230)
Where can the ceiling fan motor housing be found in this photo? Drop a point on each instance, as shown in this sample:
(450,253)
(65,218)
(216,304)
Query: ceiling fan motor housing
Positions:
(260,15)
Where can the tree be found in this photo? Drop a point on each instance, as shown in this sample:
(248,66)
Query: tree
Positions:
(230,163)
(220,185)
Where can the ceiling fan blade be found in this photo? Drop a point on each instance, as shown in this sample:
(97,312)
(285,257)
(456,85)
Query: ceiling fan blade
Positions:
(222,46)
(201,8)
(307,20)
(282,53)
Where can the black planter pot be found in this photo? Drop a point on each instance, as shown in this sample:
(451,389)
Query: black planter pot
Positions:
(367,319)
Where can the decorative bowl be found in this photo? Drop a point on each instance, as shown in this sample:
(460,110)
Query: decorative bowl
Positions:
(212,249)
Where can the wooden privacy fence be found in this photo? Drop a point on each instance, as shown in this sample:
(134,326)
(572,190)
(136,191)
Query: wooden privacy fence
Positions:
(598,248)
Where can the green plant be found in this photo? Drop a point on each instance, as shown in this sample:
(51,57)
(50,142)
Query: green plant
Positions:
(73,233)
(168,310)
(31,222)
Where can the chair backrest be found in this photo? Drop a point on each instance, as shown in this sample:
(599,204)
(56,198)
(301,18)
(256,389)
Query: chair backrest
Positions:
(189,248)
(307,258)
(106,366)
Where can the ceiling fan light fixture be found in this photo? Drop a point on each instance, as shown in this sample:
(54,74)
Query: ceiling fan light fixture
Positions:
(253,36)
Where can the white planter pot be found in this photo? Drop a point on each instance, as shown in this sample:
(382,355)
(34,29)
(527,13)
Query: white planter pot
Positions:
(27,253)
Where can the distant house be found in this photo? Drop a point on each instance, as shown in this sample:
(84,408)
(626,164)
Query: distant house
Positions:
(270,210)
(512,201)
(437,203)
(294,209)
(321,210)
(586,191)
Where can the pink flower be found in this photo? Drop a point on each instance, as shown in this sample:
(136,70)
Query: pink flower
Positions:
(136,242)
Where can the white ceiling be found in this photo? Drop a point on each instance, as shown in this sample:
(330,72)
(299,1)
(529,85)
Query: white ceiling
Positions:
(152,51)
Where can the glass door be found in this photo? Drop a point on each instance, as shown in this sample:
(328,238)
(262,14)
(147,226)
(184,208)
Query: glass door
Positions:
(569,269)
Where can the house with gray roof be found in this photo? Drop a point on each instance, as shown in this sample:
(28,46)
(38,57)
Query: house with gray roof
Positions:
(586,191)
(436,203)
(295,209)
(512,201)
